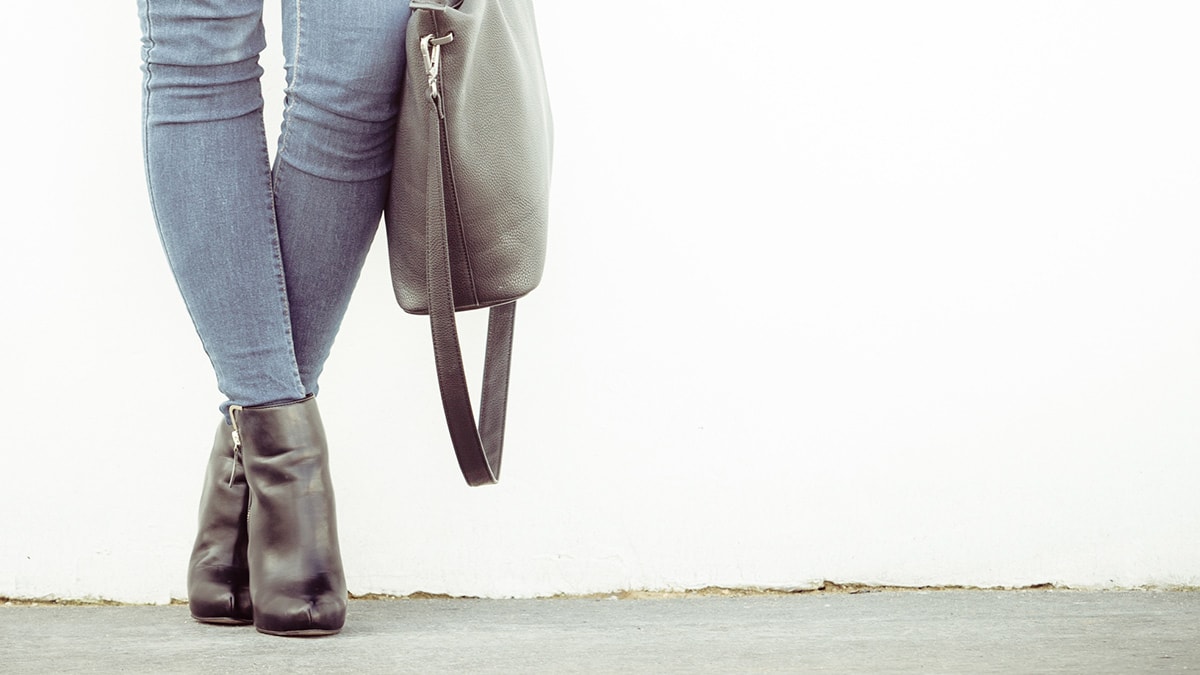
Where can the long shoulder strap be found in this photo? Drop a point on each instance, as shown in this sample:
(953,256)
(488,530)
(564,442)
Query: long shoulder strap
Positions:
(478,447)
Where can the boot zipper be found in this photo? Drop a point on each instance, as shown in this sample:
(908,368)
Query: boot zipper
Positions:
(237,440)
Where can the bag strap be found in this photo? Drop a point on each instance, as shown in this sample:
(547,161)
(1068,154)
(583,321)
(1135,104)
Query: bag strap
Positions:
(478,447)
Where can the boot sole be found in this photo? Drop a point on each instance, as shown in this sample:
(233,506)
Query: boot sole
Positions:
(307,632)
(222,620)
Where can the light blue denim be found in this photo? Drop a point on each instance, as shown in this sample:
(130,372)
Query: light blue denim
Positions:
(266,257)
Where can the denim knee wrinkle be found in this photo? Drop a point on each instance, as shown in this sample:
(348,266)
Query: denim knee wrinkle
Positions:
(266,257)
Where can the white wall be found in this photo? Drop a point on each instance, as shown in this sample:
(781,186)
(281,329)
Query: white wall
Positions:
(896,293)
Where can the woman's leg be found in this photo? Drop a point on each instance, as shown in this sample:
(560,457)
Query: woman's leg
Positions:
(345,63)
(209,180)
(344,67)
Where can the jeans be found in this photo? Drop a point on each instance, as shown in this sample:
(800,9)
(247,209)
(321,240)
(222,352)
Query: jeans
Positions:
(266,257)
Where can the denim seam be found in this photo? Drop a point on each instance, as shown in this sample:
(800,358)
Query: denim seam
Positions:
(291,101)
(277,260)
(274,189)
(146,111)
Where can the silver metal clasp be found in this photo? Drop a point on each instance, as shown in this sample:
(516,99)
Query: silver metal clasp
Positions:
(431,49)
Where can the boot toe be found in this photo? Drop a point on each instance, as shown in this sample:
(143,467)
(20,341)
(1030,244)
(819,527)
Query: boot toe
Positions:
(293,617)
(215,602)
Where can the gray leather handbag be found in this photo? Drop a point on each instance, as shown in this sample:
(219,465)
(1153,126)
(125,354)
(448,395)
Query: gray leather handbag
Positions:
(468,210)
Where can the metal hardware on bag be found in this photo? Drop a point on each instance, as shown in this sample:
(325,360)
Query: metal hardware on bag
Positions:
(433,5)
(431,49)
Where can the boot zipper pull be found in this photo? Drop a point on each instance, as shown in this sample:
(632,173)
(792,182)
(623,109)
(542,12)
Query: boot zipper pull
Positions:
(237,441)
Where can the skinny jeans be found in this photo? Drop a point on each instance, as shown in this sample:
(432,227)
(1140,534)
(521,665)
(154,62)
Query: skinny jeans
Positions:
(267,256)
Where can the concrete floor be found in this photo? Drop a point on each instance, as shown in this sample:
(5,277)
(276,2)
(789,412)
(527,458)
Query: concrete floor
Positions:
(881,632)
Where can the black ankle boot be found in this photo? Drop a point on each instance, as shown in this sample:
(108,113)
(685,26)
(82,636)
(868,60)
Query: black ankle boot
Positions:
(296,580)
(218,574)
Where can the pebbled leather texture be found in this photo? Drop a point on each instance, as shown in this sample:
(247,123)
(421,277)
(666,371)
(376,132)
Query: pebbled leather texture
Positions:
(468,210)
(499,138)
(297,583)
(218,578)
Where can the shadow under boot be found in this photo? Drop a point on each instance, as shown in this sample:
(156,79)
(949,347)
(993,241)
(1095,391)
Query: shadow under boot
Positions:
(218,579)
(297,583)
